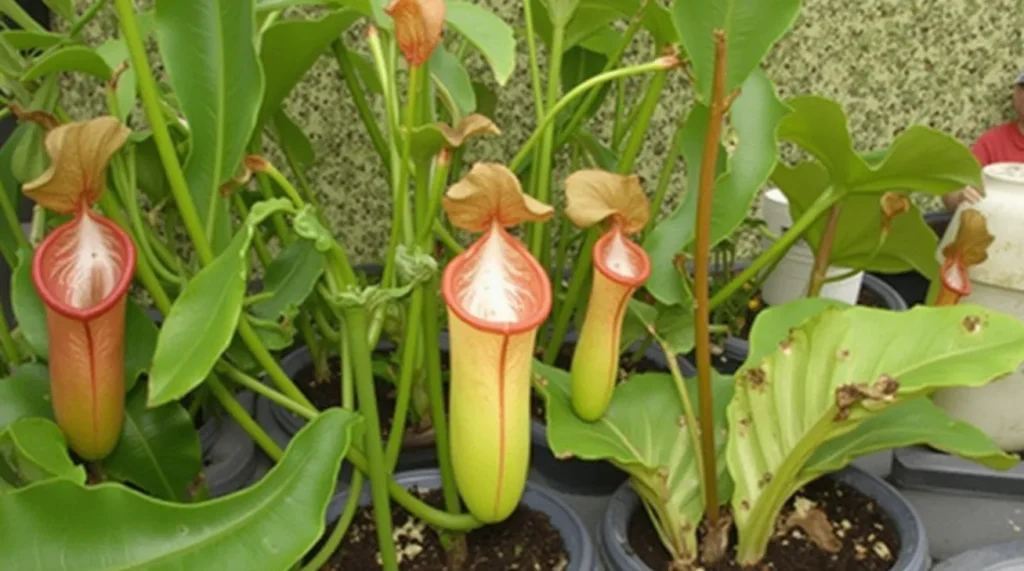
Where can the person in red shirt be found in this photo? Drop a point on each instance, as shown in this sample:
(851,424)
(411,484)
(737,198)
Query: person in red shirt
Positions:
(1002,144)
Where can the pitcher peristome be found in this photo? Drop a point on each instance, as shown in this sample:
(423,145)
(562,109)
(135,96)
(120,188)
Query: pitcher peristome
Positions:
(82,271)
(620,267)
(969,248)
(497,296)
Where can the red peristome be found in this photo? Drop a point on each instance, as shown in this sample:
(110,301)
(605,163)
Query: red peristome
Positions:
(607,252)
(82,271)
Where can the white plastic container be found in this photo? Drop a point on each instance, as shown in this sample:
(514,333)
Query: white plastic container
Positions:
(998,284)
(792,276)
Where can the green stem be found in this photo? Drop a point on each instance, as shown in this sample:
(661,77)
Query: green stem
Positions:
(618,126)
(435,388)
(539,237)
(355,321)
(19,16)
(38,228)
(638,128)
(692,421)
(412,103)
(239,414)
(596,81)
(143,271)
(10,219)
(410,348)
(263,390)
(415,506)
(296,168)
(266,360)
(579,278)
(447,239)
(437,184)
(347,376)
(88,16)
(780,247)
(668,168)
(348,73)
(355,490)
(150,96)
(531,43)
(7,345)
(257,239)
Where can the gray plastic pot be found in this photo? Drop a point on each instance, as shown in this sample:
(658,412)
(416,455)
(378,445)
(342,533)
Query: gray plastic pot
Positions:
(582,477)
(229,453)
(613,539)
(582,556)
(1001,557)
(736,349)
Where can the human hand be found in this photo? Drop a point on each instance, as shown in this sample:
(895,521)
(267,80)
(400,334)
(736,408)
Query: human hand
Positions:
(969,194)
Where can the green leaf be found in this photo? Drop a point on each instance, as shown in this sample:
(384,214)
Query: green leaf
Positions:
(209,52)
(913,422)
(30,158)
(756,115)
(561,11)
(307,225)
(114,53)
(486,101)
(152,178)
(602,156)
(268,526)
(289,48)
(751,27)
(63,8)
(862,362)
(12,189)
(29,40)
(275,335)
(72,58)
(911,243)
(365,71)
(28,307)
(578,65)
(203,318)
(636,323)
(26,393)
(35,450)
(292,138)
(452,80)
(641,434)
(675,327)
(141,333)
(488,33)
(291,277)
(158,450)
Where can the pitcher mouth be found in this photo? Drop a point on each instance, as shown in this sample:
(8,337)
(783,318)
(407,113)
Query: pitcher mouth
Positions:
(56,302)
(637,255)
(538,284)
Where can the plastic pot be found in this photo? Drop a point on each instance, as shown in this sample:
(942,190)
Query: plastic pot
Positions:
(735,350)
(418,450)
(1001,557)
(613,539)
(582,556)
(582,477)
(229,454)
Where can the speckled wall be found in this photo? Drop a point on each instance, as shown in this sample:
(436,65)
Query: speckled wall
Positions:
(944,63)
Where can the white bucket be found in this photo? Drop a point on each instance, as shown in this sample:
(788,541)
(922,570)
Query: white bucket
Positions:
(792,276)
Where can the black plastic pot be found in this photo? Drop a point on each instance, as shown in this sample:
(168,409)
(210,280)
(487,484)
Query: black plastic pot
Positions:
(582,556)
(912,286)
(613,539)
(735,350)
(581,477)
(229,454)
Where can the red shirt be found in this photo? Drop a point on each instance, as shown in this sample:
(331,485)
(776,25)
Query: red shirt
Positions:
(1002,144)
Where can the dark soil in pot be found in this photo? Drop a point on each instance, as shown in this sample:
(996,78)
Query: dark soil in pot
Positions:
(869,537)
(526,540)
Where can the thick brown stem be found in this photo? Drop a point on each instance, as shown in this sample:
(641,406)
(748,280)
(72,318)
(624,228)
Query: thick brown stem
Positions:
(821,258)
(705,192)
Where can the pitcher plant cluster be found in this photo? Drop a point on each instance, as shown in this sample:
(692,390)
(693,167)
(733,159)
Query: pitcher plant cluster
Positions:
(173,201)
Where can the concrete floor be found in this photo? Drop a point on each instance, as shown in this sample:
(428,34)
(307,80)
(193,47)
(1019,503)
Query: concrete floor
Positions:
(954,523)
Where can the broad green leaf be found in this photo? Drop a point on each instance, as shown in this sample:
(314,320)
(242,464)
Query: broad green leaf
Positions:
(141,335)
(488,33)
(672,325)
(72,58)
(636,323)
(26,393)
(30,159)
(209,51)
(578,65)
(911,243)
(825,378)
(202,320)
(151,176)
(452,80)
(756,114)
(561,11)
(486,101)
(920,159)
(291,137)
(289,48)
(365,71)
(602,156)
(34,450)
(644,434)
(28,308)
(158,450)
(275,335)
(291,277)
(28,40)
(63,8)
(268,526)
(11,189)
(751,28)
(913,422)
(794,314)
(114,53)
